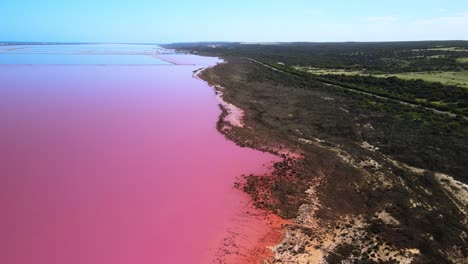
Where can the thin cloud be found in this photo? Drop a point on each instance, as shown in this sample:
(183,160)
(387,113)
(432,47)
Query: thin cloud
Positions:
(457,19)
(383,19)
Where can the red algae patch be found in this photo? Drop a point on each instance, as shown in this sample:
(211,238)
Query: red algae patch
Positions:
(237,245)
(122,164)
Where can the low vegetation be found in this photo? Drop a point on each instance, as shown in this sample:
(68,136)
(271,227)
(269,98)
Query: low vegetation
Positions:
(459,78)
(462,60)
(384,158)
(390,57)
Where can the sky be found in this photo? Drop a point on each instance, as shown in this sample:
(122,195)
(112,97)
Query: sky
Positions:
(155,21)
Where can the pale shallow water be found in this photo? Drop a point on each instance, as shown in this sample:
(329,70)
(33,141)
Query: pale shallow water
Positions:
(116,164)
(95,54)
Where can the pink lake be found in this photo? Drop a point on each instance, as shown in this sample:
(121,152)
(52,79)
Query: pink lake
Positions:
(116,163)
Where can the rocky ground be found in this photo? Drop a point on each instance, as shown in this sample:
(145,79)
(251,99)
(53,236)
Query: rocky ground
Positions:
(347,199)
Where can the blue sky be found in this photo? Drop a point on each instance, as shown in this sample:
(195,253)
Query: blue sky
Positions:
(240,20)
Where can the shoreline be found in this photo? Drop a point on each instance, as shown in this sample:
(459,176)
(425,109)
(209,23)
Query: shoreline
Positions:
(329,195)
(231,249)
(263,251)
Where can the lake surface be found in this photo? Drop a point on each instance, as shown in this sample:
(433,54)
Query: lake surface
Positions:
(98,54)
(119,163)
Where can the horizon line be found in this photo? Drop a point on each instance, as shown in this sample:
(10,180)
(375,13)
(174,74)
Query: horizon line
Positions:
(194,42)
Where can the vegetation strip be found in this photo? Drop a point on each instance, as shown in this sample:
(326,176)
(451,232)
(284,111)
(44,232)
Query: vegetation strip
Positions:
(337,84)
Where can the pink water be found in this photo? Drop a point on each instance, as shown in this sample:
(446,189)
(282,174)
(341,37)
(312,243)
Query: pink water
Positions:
(115,164)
